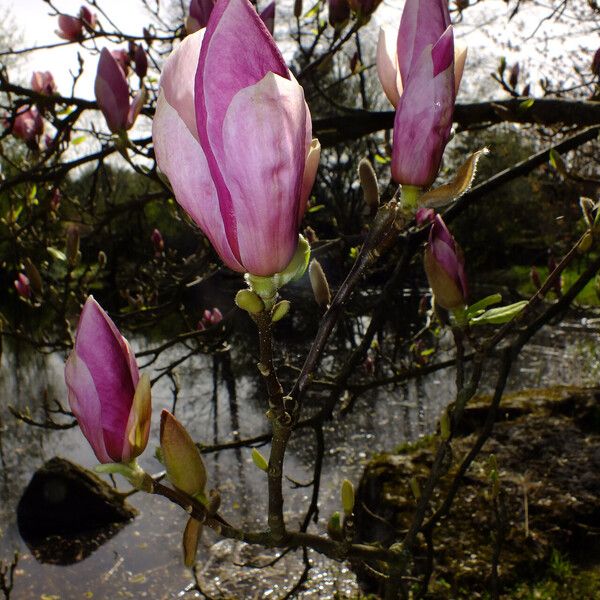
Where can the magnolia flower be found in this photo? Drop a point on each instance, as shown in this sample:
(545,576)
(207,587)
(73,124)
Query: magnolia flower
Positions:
(112,94)
(42,82)
(28,124)
(106,393)
(420,71)
(233,134)
(445,268)
(71,28)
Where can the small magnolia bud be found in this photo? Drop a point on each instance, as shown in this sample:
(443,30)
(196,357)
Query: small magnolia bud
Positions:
(55,199)
(368,182)
(157,241)
(101,259)
(534,275)
(415,487)
(297,8)
(347,496)
(185,468)
(72,246)
(319,284)
(34,276)
(259,460)
(280,310)
(249,301)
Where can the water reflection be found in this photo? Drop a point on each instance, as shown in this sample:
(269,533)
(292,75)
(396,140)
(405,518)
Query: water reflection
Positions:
(218,398)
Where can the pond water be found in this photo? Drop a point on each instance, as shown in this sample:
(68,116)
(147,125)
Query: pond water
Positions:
(143,560)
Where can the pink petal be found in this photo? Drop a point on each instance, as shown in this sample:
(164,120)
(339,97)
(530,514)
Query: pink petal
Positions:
(422,24)
(460,57)
(177,79)
(182,160)
(442,53)
(387,64)
(422,123)
(112,91)
(236,53)
(267,123)
(310,173)
(85,404)
(71,28)
(199,12)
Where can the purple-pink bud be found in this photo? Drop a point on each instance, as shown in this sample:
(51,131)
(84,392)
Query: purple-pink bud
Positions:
(122,57)
(55,199)
(596,63)
(420,71)
(87,17)
(339,12)
(70,28)
(140,60)
(106,394)
(112,94)
(199,14)
(23,286)
(233,134)
(42,82)
(444,266)
(157,242)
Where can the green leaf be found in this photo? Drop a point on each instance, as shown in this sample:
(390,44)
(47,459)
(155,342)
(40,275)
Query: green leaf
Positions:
(497,316)
(316,208)
(78,140)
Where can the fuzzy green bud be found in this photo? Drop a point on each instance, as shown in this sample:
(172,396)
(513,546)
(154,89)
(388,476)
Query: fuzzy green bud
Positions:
(319,283)
(368,183)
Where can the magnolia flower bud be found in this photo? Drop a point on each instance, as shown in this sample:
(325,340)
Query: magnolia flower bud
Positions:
(347,493)
(23,286)
(106,393)
(368,182)
(319,283)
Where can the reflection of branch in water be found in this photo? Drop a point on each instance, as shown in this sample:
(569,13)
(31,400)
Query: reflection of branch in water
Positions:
(7,575)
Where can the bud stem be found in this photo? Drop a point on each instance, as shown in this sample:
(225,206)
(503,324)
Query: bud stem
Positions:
(409,197)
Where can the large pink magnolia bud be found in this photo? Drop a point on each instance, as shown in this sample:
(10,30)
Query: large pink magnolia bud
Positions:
(198,15)
(42,82)
(445,268)
(233,134)
(106,393)
(112,94)
(420,71)
(140,60)
(28,124)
